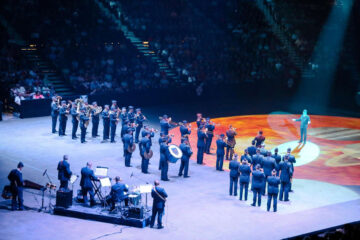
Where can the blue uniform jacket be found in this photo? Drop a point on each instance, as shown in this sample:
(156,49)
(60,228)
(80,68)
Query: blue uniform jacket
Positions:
(246,157)
(251,150)
(257,159)
(106,117)
(113,119)
(63,116)
(140,119)
(245,171)
(131,117)
(210,128)
(286,171)
(86,176)
(234,168)
(257,179)
(184,130)
(201,139)
(54,109)
(118,191)
(158,202)
(15,178)
(220,146)
(144,145)
(64,172)
(269,164)
(273,184)
(128,141)
(186,150)
(74,114)
(83,120)
(164,125)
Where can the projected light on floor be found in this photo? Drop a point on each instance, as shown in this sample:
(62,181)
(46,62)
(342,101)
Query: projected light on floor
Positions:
(304,153)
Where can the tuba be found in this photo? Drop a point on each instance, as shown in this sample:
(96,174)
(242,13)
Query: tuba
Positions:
(131,148)
(148,155)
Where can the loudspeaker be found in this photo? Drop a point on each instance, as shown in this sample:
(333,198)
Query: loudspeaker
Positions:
(136,212)
(64,199)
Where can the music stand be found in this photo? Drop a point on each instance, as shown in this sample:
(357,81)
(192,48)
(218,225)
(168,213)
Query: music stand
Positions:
(102,174)
(147,188)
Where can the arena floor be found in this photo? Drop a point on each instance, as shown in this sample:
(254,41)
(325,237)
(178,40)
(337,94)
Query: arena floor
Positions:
(326,187)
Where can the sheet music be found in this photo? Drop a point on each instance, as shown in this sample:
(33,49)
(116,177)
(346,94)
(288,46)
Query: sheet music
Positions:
(145,188)
(105,182)
(101,171)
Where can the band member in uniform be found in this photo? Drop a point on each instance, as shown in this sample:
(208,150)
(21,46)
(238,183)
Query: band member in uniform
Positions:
(159,198)
(113,105)
(220,152)
(273,190)
(74,120)
(106,122)
(292,160)
(83,122)
(200,121)
(124,121)
(124,129)
(201,145)
(246,156)
(257,184)
(252,148)
(95,119)
(210,134)
(54,113)
(128,142)
(144,147)
(305,121)
(117,193)
(285,177)
(245,171)
(259,139)
(186,150)
(63,118)
(113,123)
(17,184)
(147,129)
(164,160)
(131,114)
(64,173)
(277,158)
(139,120)
(234,175)
(257,159)
(263,151)
(163,139)
(185,129)
(231,133)
(165,124)
(268,164)
(87,176)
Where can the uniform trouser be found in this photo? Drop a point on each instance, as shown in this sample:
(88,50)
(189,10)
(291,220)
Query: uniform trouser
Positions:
(137,133)
(184,166)
(244,186)
(85,191)
(233,185)
(17,198)
(95,127)
(64,184)
(127,158)
(144,164)
(229,151)
(219,161)
(74,128)
(54,121)
(160,163)
(257,194)
(263,189)
(106,131)
(62,128)
(113,130)
(272,196)
(208,143)
(159,212)
(303,133)
(83,134)
(200,155)
(284,190)
(164,170)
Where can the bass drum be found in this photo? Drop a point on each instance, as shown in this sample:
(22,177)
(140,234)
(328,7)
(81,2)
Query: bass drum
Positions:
(175,153)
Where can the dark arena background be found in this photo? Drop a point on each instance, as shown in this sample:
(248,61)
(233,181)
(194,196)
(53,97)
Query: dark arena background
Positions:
(210,66)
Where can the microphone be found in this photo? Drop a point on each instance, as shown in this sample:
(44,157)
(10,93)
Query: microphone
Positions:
(44,172)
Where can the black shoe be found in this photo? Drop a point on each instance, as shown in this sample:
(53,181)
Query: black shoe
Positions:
(275,210)
(268,210)
(253,205)
(113,141)
(179,174)
(286,200)
(74,138)
(280,199)
(151,226)
(160,227)
(186,176)
(221,170)
(165,180)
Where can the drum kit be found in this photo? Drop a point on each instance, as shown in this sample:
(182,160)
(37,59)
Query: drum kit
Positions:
(175,153)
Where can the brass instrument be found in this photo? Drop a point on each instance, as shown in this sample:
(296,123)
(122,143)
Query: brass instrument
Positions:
(148,155)
(58,100)
(88,111)
(78,103)
(98,110)
(131,148)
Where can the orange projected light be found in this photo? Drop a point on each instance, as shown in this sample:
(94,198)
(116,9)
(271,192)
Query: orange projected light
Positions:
(331,154)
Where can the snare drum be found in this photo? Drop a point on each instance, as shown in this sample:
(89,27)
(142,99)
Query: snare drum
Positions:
(175,153)
(134,199)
